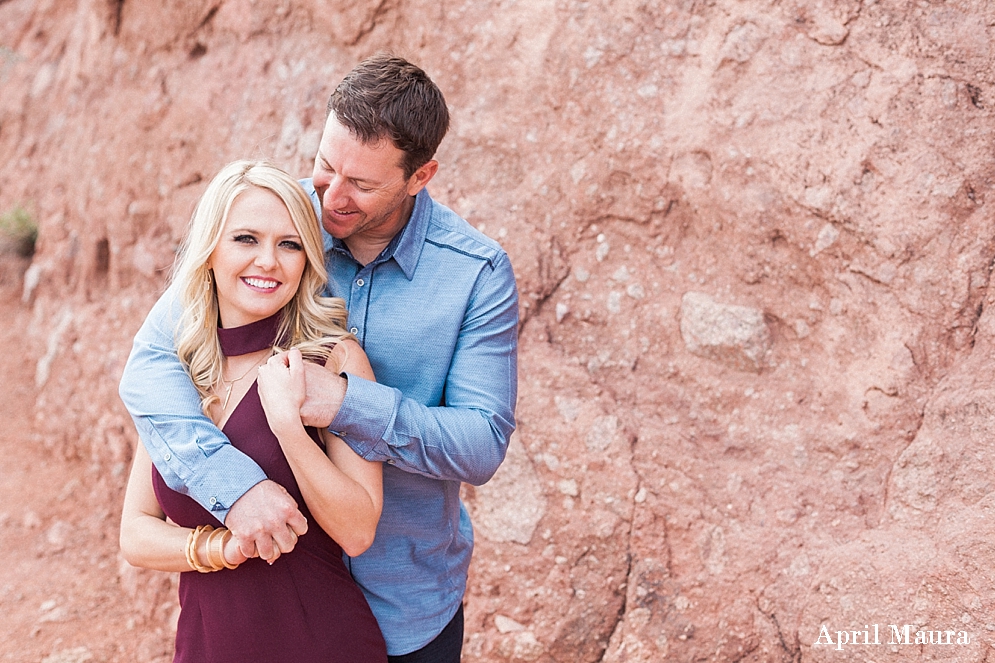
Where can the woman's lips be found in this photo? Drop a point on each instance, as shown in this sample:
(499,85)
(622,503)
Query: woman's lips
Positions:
(257,283)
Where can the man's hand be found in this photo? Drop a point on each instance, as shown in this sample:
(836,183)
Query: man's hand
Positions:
(325,391)
(266,521)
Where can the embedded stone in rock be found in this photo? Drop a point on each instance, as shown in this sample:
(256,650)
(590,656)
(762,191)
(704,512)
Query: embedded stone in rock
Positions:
(75,655)
(602,433)
(827,237)
(58,535)
(826,29)
(507,624)
(510,505)
(734,335)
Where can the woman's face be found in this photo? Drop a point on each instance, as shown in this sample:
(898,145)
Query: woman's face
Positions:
(259,260)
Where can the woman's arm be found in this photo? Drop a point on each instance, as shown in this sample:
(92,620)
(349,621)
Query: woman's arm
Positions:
(147,540)
(343,491)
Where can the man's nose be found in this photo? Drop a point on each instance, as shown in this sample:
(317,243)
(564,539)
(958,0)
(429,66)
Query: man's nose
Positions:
(334,193)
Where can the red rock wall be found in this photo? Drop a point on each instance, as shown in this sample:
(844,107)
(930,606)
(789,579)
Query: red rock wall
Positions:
(754,249)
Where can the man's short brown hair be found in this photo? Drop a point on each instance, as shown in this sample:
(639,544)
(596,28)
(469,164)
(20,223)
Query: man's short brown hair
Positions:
(385,96)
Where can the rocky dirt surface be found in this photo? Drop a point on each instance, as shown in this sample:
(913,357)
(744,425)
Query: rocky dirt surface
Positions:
(754,248)
(64,594)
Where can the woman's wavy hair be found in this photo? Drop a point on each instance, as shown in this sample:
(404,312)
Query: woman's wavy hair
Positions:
(311,322)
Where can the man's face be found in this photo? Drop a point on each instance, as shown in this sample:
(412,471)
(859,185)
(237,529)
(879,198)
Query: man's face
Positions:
(365,198)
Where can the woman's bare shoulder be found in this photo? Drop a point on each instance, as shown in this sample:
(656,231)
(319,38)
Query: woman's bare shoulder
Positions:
(348,356)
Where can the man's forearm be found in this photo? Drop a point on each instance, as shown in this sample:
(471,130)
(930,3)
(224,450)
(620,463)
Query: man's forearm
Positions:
(191,454)
(466,438)
(452,443)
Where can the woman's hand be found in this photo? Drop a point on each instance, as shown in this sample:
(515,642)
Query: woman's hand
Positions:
(282,390)
(232,552)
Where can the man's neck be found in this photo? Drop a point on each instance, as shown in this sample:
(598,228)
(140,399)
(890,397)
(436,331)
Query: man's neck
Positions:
(366,249)
(366,253)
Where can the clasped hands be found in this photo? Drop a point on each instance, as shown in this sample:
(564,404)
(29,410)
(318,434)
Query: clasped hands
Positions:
(266,521)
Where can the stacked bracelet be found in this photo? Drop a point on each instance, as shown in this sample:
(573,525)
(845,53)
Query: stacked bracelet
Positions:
(215,546)
(191,550)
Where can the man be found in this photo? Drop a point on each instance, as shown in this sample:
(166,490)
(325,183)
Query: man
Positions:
(434,304)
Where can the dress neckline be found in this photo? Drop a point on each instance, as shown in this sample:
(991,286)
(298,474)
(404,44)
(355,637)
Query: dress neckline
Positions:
(253,337)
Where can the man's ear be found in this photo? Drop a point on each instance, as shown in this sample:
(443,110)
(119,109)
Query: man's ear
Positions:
(422,176)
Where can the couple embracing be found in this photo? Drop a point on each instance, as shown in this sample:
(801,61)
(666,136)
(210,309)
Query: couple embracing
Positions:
(309,401)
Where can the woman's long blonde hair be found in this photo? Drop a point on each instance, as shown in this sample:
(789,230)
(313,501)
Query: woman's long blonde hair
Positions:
(311,322)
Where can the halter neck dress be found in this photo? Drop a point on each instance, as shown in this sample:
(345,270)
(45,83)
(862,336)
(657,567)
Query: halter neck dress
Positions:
(305,608)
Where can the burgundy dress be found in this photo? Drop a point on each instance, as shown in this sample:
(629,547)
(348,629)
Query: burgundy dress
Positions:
(305,608)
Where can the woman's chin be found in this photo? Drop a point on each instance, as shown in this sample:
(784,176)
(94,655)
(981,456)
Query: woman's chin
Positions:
(246,316)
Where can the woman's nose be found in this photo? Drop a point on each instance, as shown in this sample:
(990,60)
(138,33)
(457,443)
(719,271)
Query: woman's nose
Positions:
(265,257)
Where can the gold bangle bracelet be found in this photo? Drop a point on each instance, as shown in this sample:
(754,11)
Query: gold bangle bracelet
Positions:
(214,549)
(188,548)
(192,558)
(194,542)
(225,538)
(207,551)
(215,557)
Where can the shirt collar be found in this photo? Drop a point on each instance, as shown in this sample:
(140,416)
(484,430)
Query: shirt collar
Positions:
(406,246)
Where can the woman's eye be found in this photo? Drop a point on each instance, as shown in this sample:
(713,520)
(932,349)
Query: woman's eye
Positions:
(293,246)
(244,239)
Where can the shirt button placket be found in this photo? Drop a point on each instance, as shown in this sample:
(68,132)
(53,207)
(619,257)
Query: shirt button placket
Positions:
(361,296)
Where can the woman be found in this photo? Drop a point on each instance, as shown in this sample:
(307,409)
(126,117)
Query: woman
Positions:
(250,276)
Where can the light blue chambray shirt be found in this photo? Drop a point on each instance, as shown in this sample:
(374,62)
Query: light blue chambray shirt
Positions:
(437,314)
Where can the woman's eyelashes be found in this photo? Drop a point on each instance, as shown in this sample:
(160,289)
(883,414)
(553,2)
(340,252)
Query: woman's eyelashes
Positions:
(290,244)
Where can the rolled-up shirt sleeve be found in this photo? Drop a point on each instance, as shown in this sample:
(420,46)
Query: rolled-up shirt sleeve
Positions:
(466,438)
(193,456)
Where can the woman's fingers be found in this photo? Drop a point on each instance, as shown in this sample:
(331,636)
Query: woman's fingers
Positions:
(232,552)
(246,548)
(295,360)
(277,361)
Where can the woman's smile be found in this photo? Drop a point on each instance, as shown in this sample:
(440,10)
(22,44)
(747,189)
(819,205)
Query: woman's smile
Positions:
(260,284)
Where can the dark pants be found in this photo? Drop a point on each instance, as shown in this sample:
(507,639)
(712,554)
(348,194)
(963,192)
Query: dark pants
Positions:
(446,648)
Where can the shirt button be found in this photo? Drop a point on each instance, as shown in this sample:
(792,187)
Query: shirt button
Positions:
(360,282)
(168,457)
(353,330)
(214,500)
